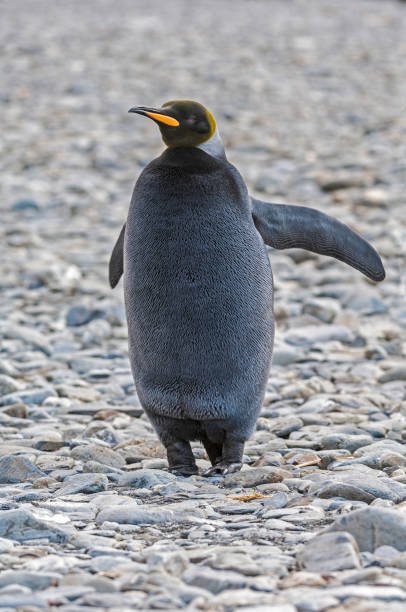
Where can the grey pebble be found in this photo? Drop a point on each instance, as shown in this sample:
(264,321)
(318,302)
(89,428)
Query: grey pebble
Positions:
(146,479)
(313,334)
(212,580)
(100,454)
(330,552)
(253,477)
(83,483)
(27,396)
(373,527)
(133,514)
(22,524)
(32,580)
(15,469)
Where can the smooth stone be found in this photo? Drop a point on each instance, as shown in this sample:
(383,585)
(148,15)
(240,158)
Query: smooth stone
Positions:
(49,446)
(325,309)
(102,431)
(15,469)
(81,315)
(330,182)
(22,524)
(212,580)
(81,394)
(375,197)
(236,509)
(25,205)
(146,479)
(28,396)
(63,595)
(100,468)
(285,355)
(29,602)
(180,487)
(365,303)
(373,527)
(330,552)
(372,484)
(313,334)
(76,511)
(277,500)
(283,427)
(345,441)
(134,514)
(123,602)
(29,336)
(175,562)
(367,592)
(7,368)
(32,580)
(18,410)
(253,477)
(101,454)
(99,583)
(347,491)
(235,561)
(5,545)
(83,483)
(32,496)
(393,374)
(154,464)
(9,385)
(382,446)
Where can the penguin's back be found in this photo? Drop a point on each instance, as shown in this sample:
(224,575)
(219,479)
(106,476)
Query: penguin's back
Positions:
(198,290)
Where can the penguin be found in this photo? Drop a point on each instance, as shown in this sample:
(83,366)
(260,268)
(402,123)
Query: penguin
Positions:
(198,287)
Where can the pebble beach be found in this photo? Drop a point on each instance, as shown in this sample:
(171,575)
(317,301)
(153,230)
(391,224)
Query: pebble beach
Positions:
(310,100)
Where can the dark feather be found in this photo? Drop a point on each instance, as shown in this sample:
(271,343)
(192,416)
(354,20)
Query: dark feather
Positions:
(285,227)
(116,264)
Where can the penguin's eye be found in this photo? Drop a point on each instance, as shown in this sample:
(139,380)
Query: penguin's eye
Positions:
(202,127)
(191,120)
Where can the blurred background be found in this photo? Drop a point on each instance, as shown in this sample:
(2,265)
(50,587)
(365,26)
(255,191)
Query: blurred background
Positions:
(309,97)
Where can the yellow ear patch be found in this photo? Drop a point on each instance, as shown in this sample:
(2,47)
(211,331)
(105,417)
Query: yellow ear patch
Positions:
(163,119)
(212,124)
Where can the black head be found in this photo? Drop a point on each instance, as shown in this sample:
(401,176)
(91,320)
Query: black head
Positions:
(183,123)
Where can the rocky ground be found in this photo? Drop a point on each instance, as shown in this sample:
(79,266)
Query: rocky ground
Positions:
(310,97)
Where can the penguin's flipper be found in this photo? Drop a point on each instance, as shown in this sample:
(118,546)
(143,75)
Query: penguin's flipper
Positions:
(284,227)
(116,265)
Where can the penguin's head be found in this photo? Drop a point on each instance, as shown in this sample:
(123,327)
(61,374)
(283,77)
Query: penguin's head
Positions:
(183,123)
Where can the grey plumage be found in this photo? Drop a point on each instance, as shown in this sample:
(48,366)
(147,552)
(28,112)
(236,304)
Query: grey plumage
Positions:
(198,292)
(199,300)
(284,227)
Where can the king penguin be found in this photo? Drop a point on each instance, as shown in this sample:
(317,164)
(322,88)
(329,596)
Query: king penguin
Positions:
(198,287)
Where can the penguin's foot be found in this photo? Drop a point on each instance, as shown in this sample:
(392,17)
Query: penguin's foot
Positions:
(213,450)
(180,458)
(222,469)
(183,470)
(230,461)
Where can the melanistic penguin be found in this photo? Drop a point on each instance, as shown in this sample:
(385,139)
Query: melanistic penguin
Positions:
(198,287)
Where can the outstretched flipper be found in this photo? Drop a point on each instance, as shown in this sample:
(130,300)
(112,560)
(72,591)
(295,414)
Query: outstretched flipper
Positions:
(116,265)
(284,227)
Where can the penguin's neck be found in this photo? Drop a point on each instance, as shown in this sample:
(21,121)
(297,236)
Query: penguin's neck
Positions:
(214,146)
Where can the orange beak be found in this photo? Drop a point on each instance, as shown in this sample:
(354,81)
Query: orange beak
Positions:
(156,115)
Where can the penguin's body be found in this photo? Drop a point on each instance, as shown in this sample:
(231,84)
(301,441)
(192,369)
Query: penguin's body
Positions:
(198,294)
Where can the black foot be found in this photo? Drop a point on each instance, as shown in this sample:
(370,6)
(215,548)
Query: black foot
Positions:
(213,450)
(222,469)
(180,458)
(183,470)
(230,461)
